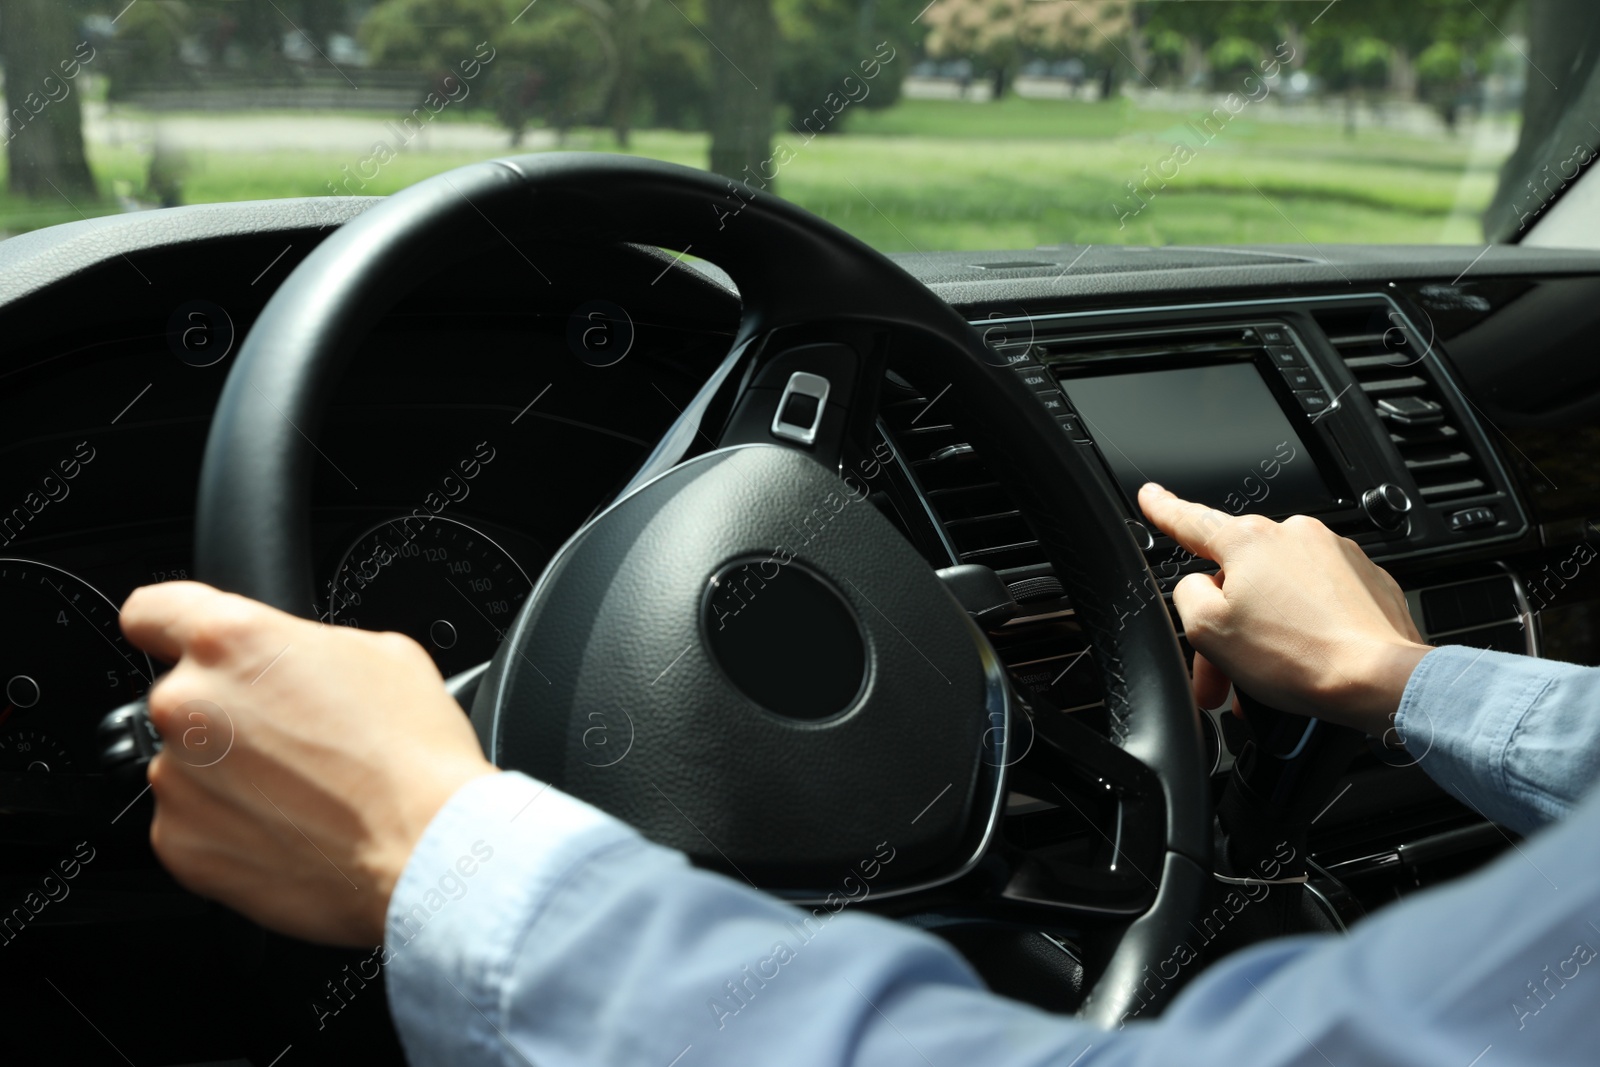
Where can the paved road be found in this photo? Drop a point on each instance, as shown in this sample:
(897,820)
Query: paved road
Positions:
(337,134)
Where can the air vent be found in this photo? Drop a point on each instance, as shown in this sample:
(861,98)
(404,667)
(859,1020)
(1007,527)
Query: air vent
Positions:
(1386,362)
(979,518)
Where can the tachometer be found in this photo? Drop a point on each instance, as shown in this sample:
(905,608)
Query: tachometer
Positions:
(441,582)
(63,664)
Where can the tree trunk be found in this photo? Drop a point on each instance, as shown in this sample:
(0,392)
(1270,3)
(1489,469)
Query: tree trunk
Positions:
(625,30)
(745,34)
(44,117)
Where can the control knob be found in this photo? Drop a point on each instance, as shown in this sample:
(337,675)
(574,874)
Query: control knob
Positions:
(1386,506)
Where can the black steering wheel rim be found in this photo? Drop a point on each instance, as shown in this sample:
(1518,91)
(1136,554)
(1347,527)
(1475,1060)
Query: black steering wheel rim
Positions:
(253,513)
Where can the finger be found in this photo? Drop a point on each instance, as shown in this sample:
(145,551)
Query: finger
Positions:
(1200,603)
(1199,529)
(165,619)
(151,614)
(1210,684)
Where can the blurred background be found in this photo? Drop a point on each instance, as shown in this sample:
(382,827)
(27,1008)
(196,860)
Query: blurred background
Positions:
(953,125)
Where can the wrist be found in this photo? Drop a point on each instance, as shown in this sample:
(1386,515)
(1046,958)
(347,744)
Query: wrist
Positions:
(1385,670)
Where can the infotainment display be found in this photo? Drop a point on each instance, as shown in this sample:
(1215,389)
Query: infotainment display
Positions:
(1214,434)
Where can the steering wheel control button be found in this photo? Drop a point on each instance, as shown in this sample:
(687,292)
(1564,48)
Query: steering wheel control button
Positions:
(800,408)
(785,637)
(1386,506)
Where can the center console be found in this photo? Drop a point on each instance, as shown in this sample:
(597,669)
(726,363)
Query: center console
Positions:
(1339,409)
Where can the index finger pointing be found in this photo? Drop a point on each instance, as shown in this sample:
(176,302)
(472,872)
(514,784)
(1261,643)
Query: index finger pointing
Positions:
(1197,528)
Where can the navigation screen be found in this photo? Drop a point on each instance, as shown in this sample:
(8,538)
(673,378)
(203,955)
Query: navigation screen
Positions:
(1212,434)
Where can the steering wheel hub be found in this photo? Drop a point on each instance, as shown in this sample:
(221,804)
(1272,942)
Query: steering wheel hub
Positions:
(785,721)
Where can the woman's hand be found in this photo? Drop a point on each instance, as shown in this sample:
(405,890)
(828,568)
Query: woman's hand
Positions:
(302,762)
(1298,616)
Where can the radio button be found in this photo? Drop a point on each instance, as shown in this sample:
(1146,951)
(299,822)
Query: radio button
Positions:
(1276,335)
(1283,356)
(1054,403)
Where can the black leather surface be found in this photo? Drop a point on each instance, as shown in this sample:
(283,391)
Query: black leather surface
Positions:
(610,658)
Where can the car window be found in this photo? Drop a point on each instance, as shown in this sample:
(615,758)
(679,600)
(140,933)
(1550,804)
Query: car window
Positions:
(951,124)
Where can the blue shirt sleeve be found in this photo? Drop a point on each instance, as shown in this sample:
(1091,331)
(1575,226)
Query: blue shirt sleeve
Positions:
(1516,738)
(529,928)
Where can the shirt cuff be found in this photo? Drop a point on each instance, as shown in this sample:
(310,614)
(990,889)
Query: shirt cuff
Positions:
(1457,718)
(486,863)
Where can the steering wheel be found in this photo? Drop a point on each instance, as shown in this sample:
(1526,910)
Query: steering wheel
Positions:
(804,704)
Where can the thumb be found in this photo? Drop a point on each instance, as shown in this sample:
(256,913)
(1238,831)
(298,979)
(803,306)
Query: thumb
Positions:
(1201,605)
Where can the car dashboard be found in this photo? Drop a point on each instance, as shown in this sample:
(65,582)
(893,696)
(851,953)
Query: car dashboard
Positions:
(1440,414)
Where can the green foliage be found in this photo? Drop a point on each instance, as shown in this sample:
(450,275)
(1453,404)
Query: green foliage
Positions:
(825,41)
(554,63)
(1441,65)
(1233,59)
(146,51)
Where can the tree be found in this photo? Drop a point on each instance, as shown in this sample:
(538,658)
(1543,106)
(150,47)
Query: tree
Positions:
(745,35)
(551,62)
(826,41)
(999,34)
(43,55)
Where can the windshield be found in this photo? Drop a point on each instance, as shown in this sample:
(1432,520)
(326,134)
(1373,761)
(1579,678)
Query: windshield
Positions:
(956,124)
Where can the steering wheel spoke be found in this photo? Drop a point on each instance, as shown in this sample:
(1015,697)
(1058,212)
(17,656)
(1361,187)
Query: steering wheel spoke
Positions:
(1097,850)
(736,656)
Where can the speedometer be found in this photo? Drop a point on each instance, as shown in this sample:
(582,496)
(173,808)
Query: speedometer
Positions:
(441,582)
(63,664)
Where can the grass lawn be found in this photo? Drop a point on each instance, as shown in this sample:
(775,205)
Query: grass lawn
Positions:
(953,175)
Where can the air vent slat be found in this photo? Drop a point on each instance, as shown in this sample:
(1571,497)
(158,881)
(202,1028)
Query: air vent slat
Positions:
(1450,490)
(981,521)
(1434,463)
(1405,396)
(1384,386)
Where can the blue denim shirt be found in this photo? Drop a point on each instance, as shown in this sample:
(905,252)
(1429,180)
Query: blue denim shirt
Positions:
(530,928)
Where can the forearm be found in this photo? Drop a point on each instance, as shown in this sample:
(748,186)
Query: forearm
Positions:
(592,946)
(1516,738)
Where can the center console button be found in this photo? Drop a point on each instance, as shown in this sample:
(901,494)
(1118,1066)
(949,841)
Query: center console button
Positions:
(1299,378)
(1312,401)
(1036,378)
(1072,427)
